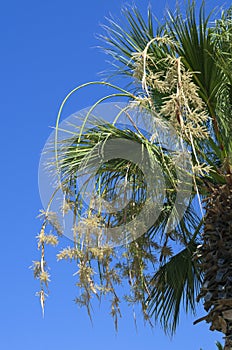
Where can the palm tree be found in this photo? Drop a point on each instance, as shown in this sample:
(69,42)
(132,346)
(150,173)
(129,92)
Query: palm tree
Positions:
(181,75)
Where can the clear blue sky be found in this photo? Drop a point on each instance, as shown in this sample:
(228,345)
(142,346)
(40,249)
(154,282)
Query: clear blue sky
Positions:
(46,50)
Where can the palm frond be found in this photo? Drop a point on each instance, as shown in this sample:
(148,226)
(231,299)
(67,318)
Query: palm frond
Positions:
(126,40)
(222,35)
(176,282)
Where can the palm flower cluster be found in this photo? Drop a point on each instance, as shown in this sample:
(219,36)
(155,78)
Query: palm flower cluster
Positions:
(102,268)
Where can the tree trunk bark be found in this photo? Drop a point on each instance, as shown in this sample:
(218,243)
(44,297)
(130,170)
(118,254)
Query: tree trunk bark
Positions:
(216,256)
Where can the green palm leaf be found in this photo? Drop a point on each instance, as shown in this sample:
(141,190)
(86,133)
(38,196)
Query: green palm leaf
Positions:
(176,282)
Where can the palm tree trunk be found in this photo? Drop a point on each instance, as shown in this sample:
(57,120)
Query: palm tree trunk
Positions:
(216,256)
(228,344)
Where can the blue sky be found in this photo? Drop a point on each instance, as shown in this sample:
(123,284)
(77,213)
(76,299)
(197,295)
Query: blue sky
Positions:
(47,50)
